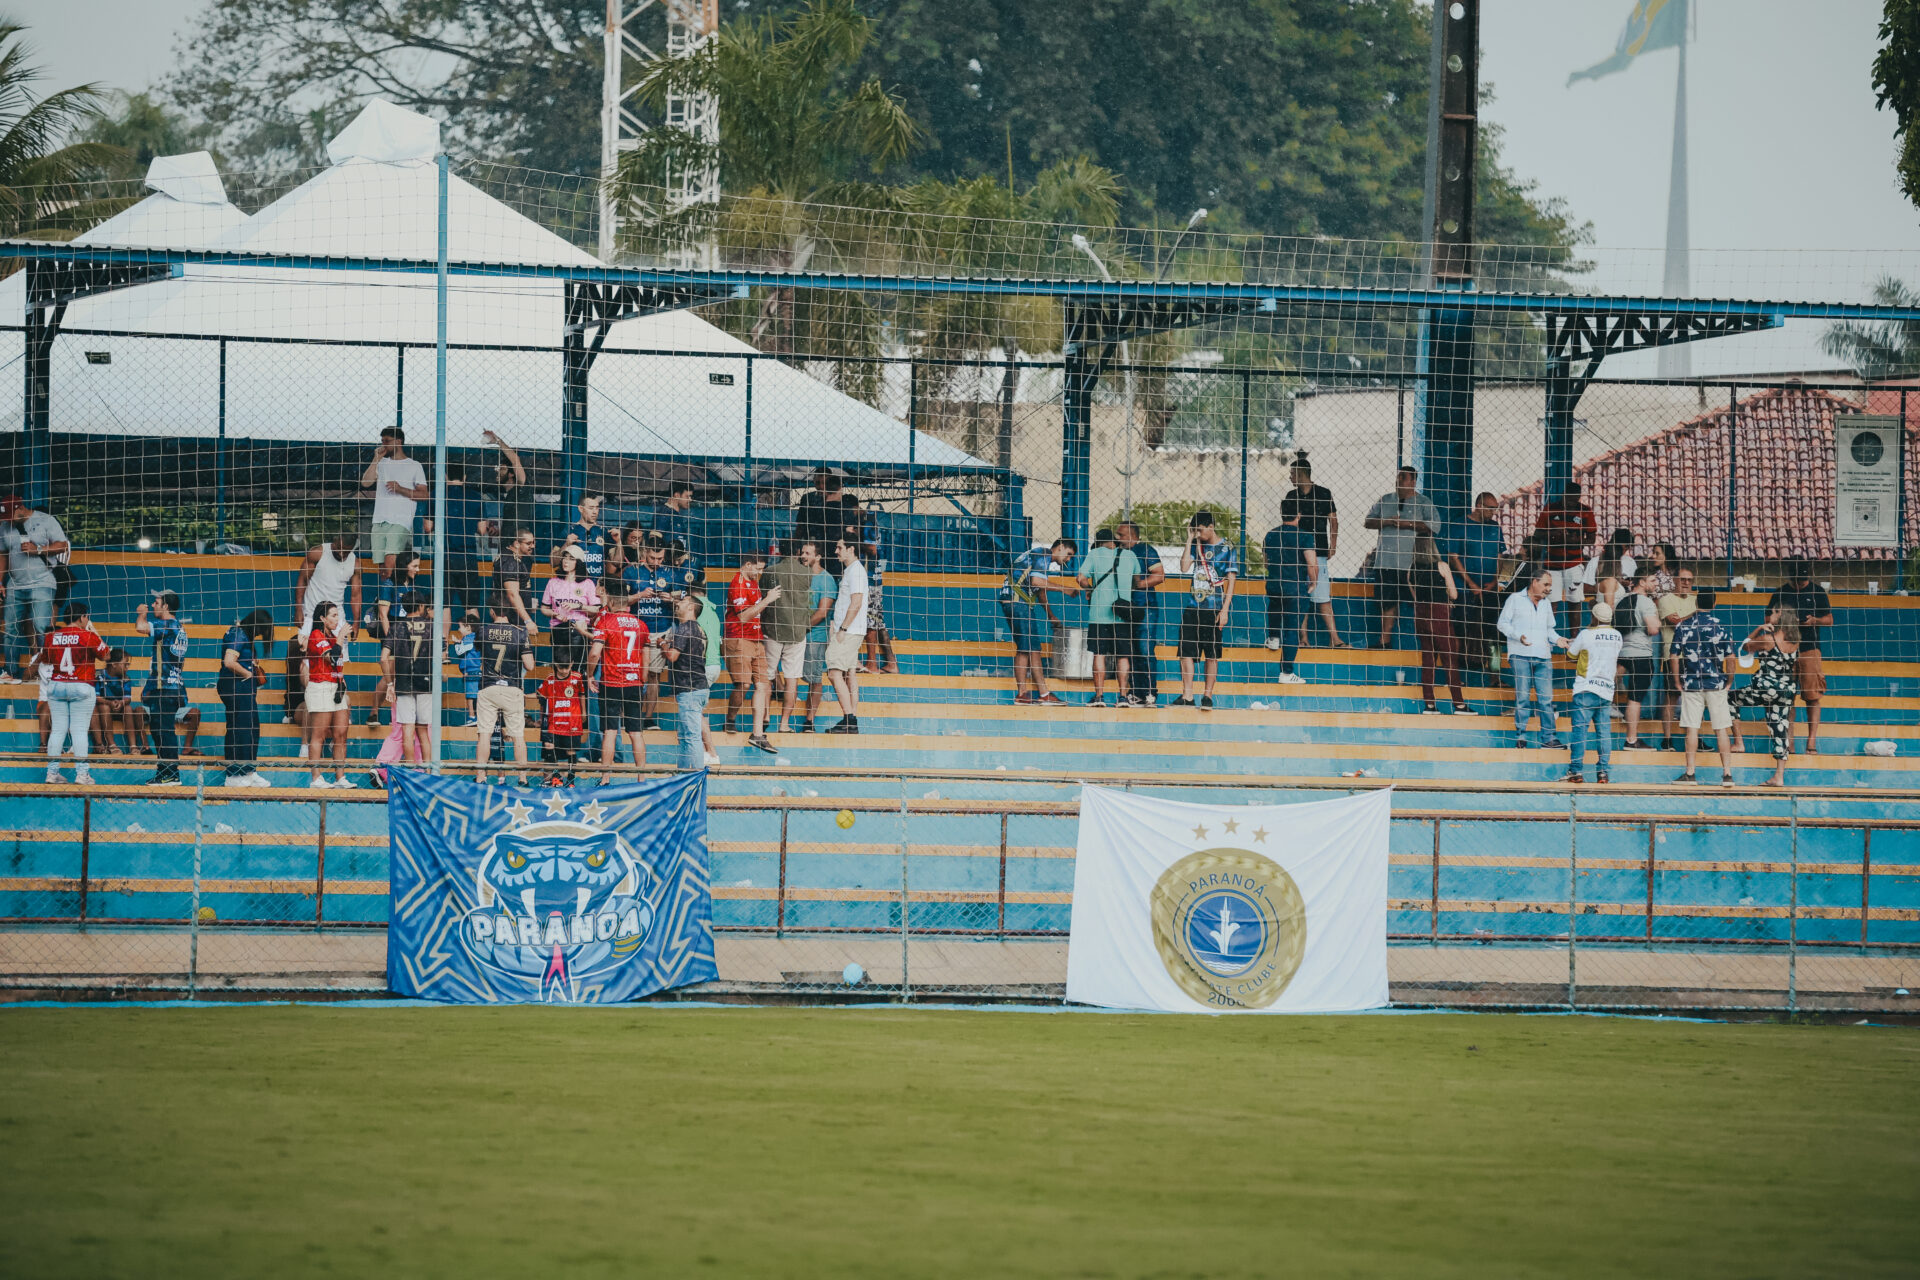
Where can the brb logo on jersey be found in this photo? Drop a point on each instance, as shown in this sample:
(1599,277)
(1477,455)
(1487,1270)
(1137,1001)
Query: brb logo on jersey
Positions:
(560,901)
(1230,926)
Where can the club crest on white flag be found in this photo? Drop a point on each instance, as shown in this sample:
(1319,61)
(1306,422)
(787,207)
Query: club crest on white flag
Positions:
(1196,908)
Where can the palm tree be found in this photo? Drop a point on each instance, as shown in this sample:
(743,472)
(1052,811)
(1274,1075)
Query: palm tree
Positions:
(41,173)
(1884,350)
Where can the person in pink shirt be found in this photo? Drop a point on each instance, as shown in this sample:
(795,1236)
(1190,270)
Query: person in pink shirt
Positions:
(571,602)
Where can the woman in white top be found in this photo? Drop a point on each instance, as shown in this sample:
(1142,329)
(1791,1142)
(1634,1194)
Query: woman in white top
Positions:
(1611,571)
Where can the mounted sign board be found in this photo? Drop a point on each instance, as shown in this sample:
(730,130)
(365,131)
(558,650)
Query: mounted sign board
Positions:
(1866,481)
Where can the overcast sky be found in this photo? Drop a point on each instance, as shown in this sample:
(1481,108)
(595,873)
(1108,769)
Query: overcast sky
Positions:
(1787,151)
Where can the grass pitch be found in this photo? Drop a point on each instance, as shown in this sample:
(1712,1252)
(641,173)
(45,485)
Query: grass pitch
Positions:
(257,1141)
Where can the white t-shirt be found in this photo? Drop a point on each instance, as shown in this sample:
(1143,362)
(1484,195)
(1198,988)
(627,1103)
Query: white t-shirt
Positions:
(1596,653)
(393,508)
(853,582)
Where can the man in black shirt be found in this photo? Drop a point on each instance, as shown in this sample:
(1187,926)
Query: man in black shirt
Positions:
(825,515)
(1142,679)
(505,662)
(1808,599)
(406,659)
(1318,516)
(513,578)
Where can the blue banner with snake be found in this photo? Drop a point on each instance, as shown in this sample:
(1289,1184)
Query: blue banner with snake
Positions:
(515,895)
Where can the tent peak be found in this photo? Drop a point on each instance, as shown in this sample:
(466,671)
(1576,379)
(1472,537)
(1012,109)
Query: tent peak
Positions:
(386,134)
(190,178)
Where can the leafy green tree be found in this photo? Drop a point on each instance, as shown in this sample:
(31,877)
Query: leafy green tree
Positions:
(1896,82)
(1164,524)
(140,126)
(1885,350)
(40,170)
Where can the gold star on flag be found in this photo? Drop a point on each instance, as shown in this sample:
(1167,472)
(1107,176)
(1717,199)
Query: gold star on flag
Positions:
(1232,826)
(592,812)
(1259,834)
(1199,833)
(556,803)
(520,813)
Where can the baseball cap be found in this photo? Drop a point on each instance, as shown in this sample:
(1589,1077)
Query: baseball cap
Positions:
(1602,613)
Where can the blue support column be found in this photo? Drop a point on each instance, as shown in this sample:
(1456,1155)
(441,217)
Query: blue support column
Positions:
(1444,441)
(1081,372)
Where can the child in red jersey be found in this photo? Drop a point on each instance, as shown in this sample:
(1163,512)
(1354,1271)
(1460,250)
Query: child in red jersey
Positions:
(563,721)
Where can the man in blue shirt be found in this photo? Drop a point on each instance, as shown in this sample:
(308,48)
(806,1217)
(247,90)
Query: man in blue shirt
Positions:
(1701,647)
(654,591)
(1478,543)
(813,672)
(591,535)
(166,688)
(1023,601)
(1142,680)
(1293,570)
(1215,568)
(674,519)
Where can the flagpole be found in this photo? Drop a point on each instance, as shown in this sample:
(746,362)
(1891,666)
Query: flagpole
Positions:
(1676,361)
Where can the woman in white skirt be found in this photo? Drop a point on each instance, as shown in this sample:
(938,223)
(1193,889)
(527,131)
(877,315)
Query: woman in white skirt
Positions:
(326,695)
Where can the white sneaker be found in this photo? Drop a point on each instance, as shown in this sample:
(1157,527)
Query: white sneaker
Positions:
(1292,677)
(712,759)
(319,783)
(54,777)
(82,777)
(1273,642)
(303,750)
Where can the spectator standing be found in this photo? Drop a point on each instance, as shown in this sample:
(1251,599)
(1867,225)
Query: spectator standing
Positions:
(406,659)
(1664,561)
(1638,621)
(1293,569)
(622,657)
(72,649)
(1318,515)
(1702,646)
(325,697)
(710,627)
(1402,517)
(674,519)
(1434,594)
(1809,601)
(1478,544)
(1675,607)
(810,521)
(1023,602)
(879,644)
(330,572)
(654,588)
(464,649)
(784,625)
(590,536)
(399,486)
(513,578)
(1596,654)
(1215,568)
(849,627)
(1568,530)
(563,723)
(1136,613)
(469,536)
(510,485)
(1775,644)
(1612,571)
(685,649)
(1107,576)
(241,678)
(571,602)
(166,689)
(505,662)
(822,595)
(1526,620)
(32,545)
(743,647)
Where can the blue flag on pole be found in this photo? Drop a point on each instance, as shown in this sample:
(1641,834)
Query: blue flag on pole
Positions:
(505,895)
(1653,24)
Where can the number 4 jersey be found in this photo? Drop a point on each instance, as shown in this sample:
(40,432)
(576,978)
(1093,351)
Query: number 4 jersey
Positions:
(72,651)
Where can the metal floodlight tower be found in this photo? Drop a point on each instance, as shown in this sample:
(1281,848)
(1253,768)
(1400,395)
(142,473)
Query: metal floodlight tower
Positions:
(689,25)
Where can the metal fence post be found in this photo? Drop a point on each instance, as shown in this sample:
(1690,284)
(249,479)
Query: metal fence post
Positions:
(1733,471)
(906,973)
(780,896)
(1793,904)
(1573,902)
(86,857)
(1246,428)
(193,922)
(320,872)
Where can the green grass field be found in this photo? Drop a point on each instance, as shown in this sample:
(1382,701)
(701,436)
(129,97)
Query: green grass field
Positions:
(260,1141)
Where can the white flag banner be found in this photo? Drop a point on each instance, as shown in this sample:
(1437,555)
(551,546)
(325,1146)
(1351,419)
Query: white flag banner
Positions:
(1197,908)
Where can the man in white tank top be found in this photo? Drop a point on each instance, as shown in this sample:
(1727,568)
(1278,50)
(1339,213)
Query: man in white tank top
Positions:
(328,573)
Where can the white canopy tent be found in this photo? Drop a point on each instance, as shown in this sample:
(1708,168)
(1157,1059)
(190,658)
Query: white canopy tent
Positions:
(297,369)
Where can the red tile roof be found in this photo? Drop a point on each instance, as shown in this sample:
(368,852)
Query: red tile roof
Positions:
(1673,487)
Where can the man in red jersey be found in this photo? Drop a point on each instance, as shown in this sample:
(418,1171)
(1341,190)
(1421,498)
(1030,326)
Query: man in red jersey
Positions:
(743,646)
(70,650)
(563,722)
(619,654)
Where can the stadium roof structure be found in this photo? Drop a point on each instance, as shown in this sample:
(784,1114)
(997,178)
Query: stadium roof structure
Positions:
(309,352)
(1674,486)
(188,209)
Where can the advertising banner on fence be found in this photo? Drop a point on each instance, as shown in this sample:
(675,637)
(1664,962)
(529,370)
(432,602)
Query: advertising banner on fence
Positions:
(505,895)
(1866,481)
(1196,908)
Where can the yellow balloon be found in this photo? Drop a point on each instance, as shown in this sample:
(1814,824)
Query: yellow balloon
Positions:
(844,818)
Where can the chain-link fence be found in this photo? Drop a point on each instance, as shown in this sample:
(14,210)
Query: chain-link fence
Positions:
(960,887)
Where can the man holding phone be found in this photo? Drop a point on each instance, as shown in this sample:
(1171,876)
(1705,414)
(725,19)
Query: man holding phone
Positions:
(1211,560)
